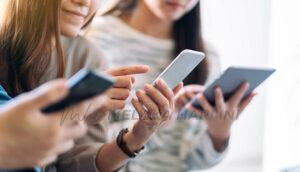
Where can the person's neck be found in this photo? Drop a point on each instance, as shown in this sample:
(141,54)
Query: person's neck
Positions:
(142,19)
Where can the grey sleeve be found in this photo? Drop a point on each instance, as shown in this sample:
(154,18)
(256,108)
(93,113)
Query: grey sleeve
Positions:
(202,154)
(80,53)
(197,147)
(81,158)
(214,62)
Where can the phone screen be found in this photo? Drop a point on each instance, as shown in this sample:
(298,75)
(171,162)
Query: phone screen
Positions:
(84,85)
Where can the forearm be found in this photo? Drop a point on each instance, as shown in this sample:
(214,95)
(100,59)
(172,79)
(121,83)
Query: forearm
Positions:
(114,153)
(112,150)
(204,155)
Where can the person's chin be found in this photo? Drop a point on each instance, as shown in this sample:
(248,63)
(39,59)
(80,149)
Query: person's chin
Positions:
(70,31)
(169,16)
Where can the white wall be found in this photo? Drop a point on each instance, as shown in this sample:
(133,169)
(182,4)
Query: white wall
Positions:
(282,141)
(239,29)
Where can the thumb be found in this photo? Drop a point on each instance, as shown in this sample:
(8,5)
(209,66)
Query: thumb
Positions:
(45,95)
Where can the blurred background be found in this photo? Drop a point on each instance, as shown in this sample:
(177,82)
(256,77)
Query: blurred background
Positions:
(239,29)
(260,33)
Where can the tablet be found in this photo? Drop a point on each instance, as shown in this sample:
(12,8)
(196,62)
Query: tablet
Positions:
(232,79)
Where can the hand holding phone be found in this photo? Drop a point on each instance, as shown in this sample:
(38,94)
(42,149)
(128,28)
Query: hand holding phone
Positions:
(83,85)
(181,67)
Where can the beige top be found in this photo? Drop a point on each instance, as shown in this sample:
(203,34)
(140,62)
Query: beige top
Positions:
(79,54)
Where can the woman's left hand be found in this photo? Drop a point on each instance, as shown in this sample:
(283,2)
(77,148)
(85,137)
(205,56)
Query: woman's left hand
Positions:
(219,118)
(186,94)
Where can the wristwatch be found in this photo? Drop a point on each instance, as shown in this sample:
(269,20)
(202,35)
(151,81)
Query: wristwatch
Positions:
(124,147)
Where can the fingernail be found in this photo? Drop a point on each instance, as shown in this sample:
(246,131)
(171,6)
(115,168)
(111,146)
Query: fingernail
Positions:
(158,82)
(133,79)
(189,105)
(134,98)
(161,82)
(146,67)
(139,92)
(147,86)
(200,97)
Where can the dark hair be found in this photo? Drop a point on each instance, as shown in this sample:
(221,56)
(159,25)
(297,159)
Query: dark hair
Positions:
(187,34)
(26,42)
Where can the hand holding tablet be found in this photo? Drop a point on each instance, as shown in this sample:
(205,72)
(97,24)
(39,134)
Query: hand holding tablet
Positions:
(232,79)
(224,100)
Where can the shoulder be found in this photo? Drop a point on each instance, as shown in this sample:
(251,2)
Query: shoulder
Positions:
(214,61)
(104,30)
(80,45)
(104,22)
(81,53)
(110,26)
(211,50)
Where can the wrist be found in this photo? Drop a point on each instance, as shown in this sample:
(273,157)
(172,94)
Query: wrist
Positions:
(138,136)
(133,142)
(142,132)
(219,140)
(220,133)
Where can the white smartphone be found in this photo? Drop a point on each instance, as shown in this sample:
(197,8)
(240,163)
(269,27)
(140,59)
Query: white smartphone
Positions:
(181,67)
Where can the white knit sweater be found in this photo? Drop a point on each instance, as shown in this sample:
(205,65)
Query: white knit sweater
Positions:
(181,146)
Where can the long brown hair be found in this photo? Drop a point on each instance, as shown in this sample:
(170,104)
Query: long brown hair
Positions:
(28,33)
(187,34)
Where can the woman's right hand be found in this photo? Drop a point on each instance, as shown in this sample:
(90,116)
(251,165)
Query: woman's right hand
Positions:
(155,106)
(30,138)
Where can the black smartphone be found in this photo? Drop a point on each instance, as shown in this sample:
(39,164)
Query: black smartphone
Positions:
(83,85)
